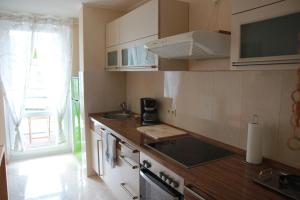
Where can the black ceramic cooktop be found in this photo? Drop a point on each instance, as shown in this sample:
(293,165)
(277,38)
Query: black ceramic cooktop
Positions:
(189,151)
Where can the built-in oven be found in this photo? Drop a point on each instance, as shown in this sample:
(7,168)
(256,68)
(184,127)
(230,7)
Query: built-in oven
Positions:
(153,188)
(158,182)
(266,37)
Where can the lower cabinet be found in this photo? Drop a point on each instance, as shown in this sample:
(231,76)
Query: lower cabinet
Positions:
(123,179)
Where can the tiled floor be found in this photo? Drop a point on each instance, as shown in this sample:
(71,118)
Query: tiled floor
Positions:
(53,178)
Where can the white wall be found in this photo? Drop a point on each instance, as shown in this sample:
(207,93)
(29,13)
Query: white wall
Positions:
(220,104)
(101,91)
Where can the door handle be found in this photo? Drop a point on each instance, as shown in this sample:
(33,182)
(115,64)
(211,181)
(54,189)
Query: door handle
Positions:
(133,166)
(100,157)
(127,191)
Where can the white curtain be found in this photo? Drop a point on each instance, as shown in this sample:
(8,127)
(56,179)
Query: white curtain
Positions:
(15,58)
(56,37)
(22,36)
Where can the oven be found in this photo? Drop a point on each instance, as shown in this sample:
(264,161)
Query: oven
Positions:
(158,182)
(153,188)
(266,37)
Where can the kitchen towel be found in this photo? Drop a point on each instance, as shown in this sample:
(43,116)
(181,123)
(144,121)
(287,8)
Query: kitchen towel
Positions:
(110,149)
(254,143)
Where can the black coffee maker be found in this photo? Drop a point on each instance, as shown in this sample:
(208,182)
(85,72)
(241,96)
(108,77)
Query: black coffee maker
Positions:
(149,111)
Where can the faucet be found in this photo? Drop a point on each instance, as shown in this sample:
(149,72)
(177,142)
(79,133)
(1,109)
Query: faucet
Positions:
(123,106)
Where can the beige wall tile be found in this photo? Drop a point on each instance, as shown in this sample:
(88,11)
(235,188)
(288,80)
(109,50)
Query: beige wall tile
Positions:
(285,128)
(219,105)
(194,102)
(143,84)
(261,92)
(226,113)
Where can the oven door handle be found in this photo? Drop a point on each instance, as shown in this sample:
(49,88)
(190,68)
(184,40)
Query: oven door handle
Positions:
(153,180)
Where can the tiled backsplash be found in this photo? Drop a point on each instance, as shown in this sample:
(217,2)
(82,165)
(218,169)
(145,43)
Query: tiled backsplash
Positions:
(220,104)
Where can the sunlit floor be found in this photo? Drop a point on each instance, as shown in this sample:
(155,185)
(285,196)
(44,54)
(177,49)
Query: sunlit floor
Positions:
(53,178)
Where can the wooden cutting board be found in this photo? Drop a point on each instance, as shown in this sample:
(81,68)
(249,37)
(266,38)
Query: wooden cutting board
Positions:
(161,131)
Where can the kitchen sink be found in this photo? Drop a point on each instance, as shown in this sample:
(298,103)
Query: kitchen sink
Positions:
(117,115)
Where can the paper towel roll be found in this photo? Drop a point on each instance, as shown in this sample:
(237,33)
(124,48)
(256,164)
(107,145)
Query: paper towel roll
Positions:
(254,143)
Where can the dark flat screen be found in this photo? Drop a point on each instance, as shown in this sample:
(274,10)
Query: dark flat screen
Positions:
(272,37)
(189,151)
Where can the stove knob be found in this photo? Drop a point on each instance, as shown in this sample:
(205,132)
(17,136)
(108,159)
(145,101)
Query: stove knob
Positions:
(146,164)
(170,181)
(163,176)
(175,184)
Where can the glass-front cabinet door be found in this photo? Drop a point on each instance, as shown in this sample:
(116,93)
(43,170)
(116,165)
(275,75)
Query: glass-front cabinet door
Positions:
(138,56)
(134,55)
(112,58)
(272,37)
(266,37)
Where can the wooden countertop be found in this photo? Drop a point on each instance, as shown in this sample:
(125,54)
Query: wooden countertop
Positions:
(228,178)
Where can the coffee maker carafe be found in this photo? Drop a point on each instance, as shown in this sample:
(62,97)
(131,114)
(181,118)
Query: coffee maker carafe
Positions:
(149,111)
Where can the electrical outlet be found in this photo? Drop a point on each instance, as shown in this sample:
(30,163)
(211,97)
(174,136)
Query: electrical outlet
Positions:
(172,112)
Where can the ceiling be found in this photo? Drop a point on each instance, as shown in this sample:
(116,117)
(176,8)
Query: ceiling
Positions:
(65,8)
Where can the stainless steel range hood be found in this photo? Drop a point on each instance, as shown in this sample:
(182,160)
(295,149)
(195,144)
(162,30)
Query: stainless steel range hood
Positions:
(192,45)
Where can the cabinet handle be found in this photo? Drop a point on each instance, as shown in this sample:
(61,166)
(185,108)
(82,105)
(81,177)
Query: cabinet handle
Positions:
(195,194)
(100,157)
(124,144)
(127,162)
(128,192)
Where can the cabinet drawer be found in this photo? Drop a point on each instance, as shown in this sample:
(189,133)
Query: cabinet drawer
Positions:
(129,177)
(122,180)
(129,151)
(96,128)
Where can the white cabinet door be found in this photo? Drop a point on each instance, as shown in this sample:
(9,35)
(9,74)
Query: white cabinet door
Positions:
(140,23)
(112,57)
(113,178)
(96,152)
(244,5)
(122,180)
(134,55)
(113,33)
(129,179)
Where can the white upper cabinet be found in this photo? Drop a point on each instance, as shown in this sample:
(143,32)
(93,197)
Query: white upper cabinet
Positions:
(126,36)
(140,23)
(113,33)
(244,5)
